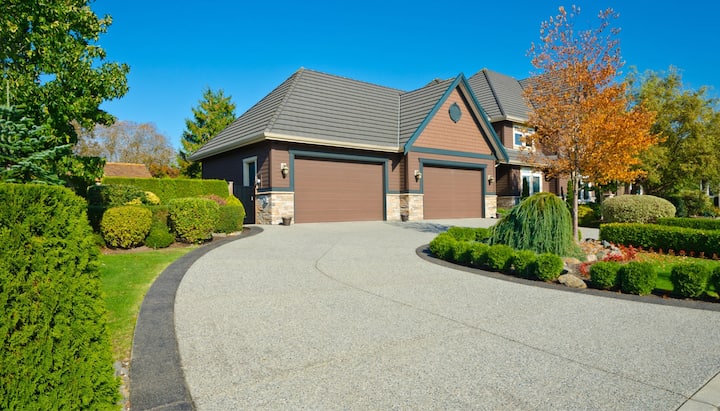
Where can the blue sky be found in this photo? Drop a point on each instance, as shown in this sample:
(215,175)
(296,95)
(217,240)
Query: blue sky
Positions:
(177,49)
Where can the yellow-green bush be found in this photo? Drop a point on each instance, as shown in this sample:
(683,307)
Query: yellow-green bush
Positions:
(126,226)
(193,219)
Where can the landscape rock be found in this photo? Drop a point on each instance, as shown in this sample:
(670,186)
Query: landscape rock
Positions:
(571,281)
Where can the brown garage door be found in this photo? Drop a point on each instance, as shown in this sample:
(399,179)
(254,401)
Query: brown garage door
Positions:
(328,190)
(452,193)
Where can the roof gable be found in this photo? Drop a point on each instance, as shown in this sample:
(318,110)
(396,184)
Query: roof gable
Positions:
(500,95)
(460,83)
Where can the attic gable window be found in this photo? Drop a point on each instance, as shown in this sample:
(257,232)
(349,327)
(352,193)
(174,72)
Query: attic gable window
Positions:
(520,136)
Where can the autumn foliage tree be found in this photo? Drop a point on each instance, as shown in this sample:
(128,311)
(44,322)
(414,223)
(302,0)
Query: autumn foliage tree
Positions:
(583,121)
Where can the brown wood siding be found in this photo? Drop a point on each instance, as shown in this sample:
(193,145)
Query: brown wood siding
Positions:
(328,191)
(279,154)
(452,193)
(444,134)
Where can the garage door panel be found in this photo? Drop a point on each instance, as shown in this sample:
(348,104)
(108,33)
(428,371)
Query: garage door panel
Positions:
(452,192)
(328,191)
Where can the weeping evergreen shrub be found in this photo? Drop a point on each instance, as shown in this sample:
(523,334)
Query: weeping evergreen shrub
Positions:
(540,223)
(54,347)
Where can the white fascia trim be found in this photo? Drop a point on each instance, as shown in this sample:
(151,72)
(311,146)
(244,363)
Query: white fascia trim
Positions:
(225,148)
(330,143)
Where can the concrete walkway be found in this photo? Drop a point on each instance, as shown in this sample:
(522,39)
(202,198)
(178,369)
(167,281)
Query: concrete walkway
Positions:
(347,316)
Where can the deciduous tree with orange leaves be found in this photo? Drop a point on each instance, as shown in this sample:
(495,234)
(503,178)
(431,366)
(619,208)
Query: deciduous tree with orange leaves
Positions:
(584,124)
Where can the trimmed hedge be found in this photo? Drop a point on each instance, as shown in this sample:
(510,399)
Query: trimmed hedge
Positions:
(113,195)
(171,188)
(689,279)
(604,275)
(657,237)
(469,234)
(636,209)
(193,219)
(696,223)
(125,226)
(637,278)
(54,347)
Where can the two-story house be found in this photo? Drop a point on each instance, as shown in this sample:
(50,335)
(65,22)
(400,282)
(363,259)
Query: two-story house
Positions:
(321,147)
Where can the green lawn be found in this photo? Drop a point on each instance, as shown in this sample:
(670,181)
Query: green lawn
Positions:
(126,278)
(663,264)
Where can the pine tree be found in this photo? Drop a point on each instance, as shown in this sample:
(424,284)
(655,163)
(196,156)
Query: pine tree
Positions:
(214,113)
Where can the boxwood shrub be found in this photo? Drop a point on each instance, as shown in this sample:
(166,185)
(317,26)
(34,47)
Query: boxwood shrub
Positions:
(479,254)
(547,267)
(637,278)
(159,236)
(498,257)
(689,279)
(54,347)
(193,219)
(462,252)
(714,279)
(604,274)
(636,209)
(126,226)
(442,246)
(522,260)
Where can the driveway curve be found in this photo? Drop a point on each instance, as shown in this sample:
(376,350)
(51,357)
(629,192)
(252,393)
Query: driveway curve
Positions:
(346,316)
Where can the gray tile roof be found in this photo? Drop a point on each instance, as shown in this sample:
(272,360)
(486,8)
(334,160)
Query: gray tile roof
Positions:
(500,96)
(315,107)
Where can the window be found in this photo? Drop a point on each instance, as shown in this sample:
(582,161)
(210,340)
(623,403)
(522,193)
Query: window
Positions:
(249,171)
(520,134)
(533,178)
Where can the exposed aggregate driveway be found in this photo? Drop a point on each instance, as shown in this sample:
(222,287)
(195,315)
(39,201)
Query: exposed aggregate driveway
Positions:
(347,316)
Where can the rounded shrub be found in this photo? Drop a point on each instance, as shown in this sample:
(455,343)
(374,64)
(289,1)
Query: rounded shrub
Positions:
(152,198)
(231,219)
(462,252)
(54,346)
(689,279)
(498,257)
(604,274)
(714,279)
(637,278)
(125,226)
(159,236)
(462,233)
(547,267)
(443,246)
(193,219)
(522,260)
(541,223)
(478,254)
(636,209)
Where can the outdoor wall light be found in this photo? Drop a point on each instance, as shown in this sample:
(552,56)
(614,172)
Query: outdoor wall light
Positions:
(284,170)
(418,175)
(491,179)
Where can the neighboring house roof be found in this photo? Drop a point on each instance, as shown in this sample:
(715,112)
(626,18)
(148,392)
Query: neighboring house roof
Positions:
(318,108)
(132,170)
(500,96)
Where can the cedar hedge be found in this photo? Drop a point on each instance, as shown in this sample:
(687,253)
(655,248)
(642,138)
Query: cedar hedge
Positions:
(696,223)
(170,188)
(54,346)
(660,237)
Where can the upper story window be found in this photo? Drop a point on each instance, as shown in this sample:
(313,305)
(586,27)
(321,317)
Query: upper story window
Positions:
(520,136)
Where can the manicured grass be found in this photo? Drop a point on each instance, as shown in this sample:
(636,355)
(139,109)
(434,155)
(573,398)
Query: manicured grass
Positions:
(663,265)
(126,278)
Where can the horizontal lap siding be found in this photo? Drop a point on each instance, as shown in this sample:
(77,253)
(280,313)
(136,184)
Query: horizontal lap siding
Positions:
(327,191)
(452,193)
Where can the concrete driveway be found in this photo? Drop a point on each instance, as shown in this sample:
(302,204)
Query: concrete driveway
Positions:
(347,316)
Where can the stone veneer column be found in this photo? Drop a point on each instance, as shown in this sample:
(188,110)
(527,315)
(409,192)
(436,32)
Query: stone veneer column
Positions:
(491,206)
(393,207)
(272,207)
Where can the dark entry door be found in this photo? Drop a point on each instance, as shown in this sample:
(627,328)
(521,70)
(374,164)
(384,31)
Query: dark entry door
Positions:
(247,191)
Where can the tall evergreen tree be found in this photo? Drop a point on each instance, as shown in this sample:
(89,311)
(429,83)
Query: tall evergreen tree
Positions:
(214,112)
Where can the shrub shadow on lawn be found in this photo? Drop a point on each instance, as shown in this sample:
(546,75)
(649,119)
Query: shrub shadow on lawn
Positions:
(660,298)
